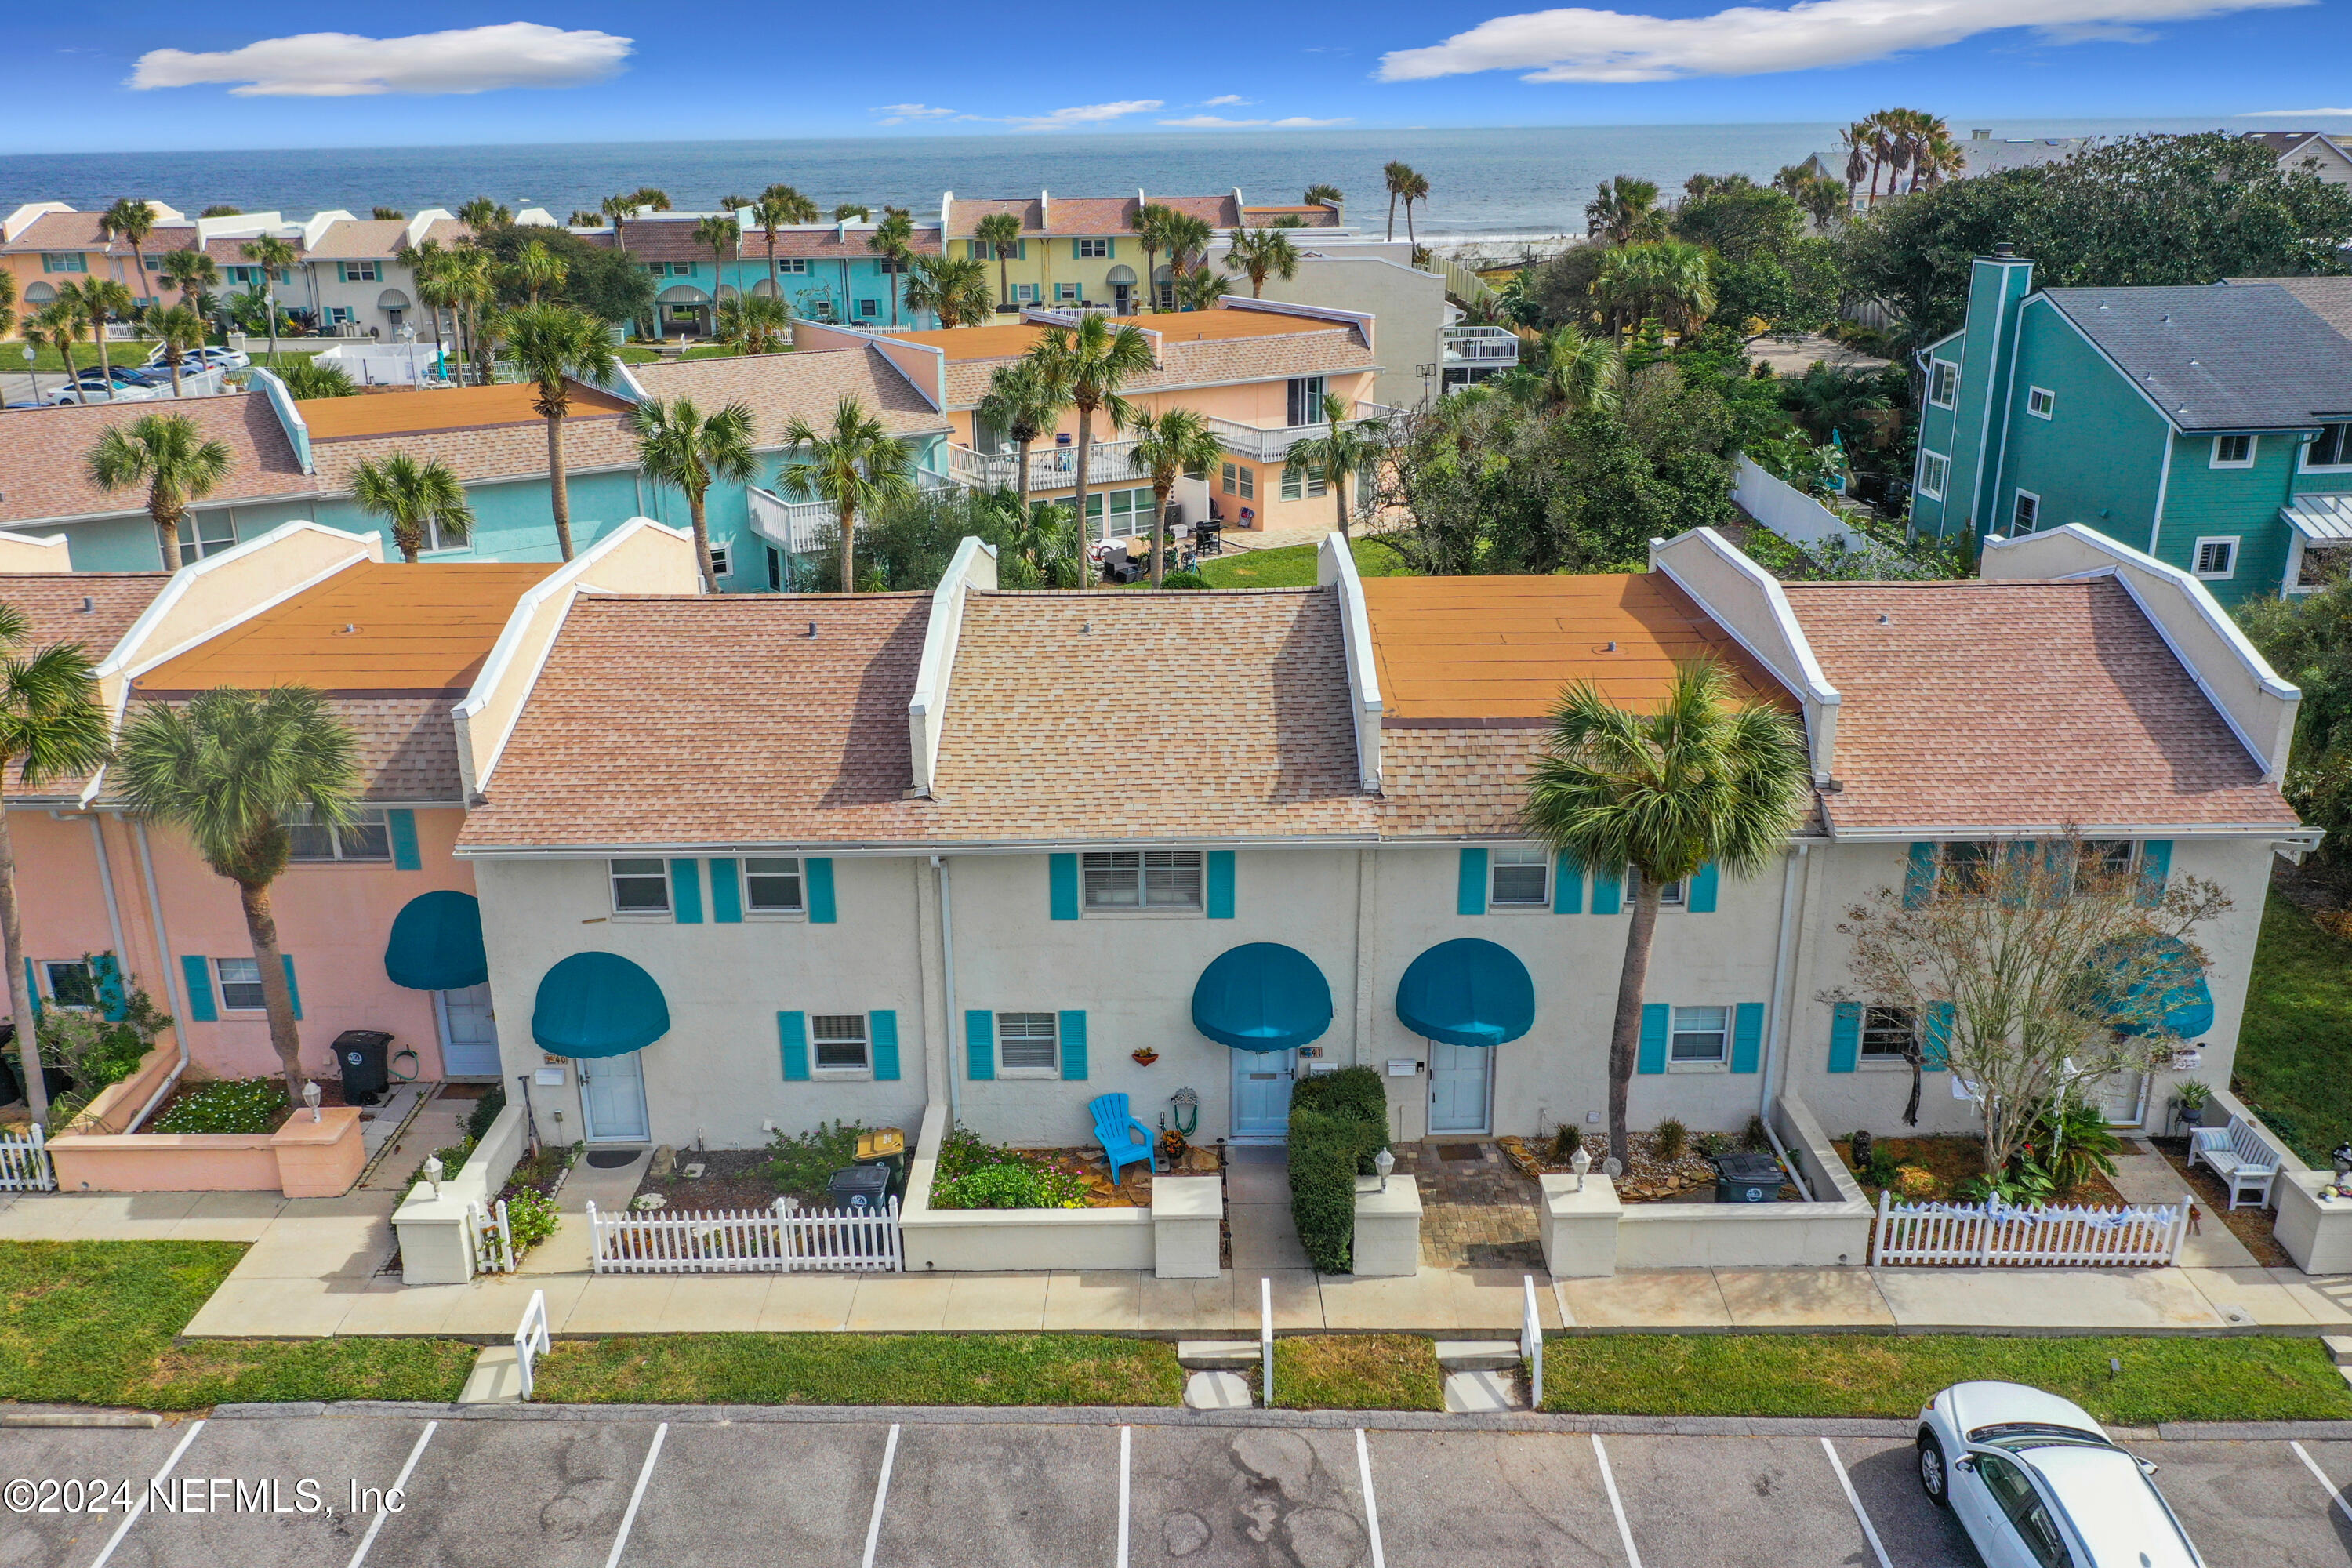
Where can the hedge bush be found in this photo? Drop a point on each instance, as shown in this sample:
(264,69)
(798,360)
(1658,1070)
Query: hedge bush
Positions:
(1338,1123)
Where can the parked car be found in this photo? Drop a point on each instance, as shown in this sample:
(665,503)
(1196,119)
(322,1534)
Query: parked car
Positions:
(92,386)
(2038,1484)
(210,357)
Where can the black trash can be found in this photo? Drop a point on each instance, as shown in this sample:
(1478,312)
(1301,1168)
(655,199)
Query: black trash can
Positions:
(363,1053)
(1747,1178)
(859,1186)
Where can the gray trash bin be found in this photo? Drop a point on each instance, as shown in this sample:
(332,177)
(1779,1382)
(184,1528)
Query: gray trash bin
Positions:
(859,1186)
(1747,1178)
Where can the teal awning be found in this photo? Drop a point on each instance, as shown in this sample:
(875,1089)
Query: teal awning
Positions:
(2171,995)
(598,1005)
(437,944)
(1468,992)
(1262,996)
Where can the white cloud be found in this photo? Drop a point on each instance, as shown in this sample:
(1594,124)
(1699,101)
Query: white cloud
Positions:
(1086,114)
(2294,113)
(1223,100)
(1579,44)
(1217,122)
(345,65)
(907,113)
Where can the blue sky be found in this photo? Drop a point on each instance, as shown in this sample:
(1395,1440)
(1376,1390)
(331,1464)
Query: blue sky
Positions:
(152,76)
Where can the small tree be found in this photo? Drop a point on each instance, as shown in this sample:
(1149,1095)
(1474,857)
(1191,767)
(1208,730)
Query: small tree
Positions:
(1342,450)
(677,444)
(416,498)
(1168,445)
(2034,969)
(168,454)
(853,463)
(553,346)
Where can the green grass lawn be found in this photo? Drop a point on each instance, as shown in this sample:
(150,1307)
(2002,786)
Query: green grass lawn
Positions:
(861,1369)
(1291,566)
(94,1322)
(2295,1046)
(1887,1376)
(1357,1372)
(48,360)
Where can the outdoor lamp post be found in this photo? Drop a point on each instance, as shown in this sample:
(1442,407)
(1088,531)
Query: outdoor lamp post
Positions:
(1384,1162)
(433,1168)
(1580,1161)
(32,374)
(310,1098)
(2342,1156)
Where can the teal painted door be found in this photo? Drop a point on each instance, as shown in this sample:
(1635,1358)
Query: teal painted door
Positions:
(1459,1078)
(469,1035)
(1262,1094)
(612,1098)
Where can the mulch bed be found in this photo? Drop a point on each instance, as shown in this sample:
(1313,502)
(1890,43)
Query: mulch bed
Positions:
(2250,1225)
(330,1092)
(1952,1160)
(1647,1179)
(739,1179)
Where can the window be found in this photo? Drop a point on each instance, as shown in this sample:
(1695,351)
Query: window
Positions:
(240,984)
(792,265)
(2103,859)
(1306,400)
(439,535)
(1966,867)
(723,561)
(1519,876)
(2217,557)
(2044,1546)
(206,534)
(2039,401)
(63,261)
(1142,879)
(356,271)
(365,837)
(1943,382)
(339,315)
(890,267)
(2026,516)
(869,309)
(70,983)
(2234,452)
(1129,512)
(1700,1035)
(1670,895)
(1028,1042)
(1022,294)
(1094,250)
(1886,1034)
(154,264)
(840,1042)
(640,887)
(1298,485)
(2332,450)
(1934,472)
(773,886)
(1065,293)
(1240,481)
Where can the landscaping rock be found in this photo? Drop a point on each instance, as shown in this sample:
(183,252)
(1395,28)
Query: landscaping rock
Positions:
(664,1165)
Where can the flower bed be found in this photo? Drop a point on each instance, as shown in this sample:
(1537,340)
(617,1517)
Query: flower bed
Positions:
(1665,1165)
(972,1174)
(1942,1169)
(228,1106)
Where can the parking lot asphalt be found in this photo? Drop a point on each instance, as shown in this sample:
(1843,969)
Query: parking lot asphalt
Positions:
(938,1493)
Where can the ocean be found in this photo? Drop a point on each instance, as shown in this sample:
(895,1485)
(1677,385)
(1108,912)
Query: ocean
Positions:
(1485,181)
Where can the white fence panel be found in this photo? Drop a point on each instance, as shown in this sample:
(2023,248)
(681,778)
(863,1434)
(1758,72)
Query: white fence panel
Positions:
(493,1238)
(1784,509)
(531,1338)
(1997,1234)
(1531,1345)
(25,1162)
(779,1240)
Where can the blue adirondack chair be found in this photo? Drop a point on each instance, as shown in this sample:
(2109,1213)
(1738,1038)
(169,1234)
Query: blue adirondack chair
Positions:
(1119,1132)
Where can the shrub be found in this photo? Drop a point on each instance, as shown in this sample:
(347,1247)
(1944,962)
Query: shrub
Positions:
(230,1105)
(1184,580)
(1567,1141)
(94,1051)
(801,1162)
(485,1110)
(1914,1183)
(1338,1123)
(1673,1140)
(531,1215)
(1754,1138)
(972,1175)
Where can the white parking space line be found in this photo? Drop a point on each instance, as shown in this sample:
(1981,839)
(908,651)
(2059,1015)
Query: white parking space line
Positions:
(1126,1469)
(399,1484)
(637,1496)
(881,1496)
(141,1506)
(1371,1507)
(1616,1504)
(2313,1466)
(1854,1501)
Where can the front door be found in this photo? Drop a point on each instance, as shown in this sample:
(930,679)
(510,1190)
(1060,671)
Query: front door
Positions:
(612,1096)
(469,1035)
(1458,1087)
(2122,1098)
(1262,1094)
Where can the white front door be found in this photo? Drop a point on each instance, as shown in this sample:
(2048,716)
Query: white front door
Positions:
(1262,1094)
(1458,1087)
(469,1035)
(612,1095)
(2122,1098)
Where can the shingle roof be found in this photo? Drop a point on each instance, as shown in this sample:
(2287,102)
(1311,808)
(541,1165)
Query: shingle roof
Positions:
(361,239)
(673,240)
(484,451)
(2019,705)
(1328,351)
(805,385)
(52,604)
(44,453)
(1454,782)
(2244,357)
(1084,214)
(2329,299)
(230,252)
(79,231)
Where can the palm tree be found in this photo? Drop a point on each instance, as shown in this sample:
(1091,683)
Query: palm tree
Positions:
(724,235)
(1663,277)
(273,256)
(1321,196)
(231,770)
(169,455)
(954,288)
(553,346)
(1343,449)
(95,302)
(1585,373)
(1149,224)
(1260,254)
(1187,238)
(855,464)
(1399,178)
(677,444)
(1622,211)
(1168,445)
(469,282)
(59,322)
(191,272)
(1857,139)
(177,331)
(1022,402)
(307,380)
(416,498)
(130,220)
(1415,190)
(537,269)
(1000,232)
(845,211)
(653,198)
(7,301)
(52,725)
(802,209)
(1093,361)
(1200,289)
(779,207)
(1701,780)
(482,214)
(753,323)
(890,240)
(618,211)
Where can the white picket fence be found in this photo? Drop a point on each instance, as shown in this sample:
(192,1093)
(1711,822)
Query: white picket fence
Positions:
(493,1239)
(531,1341)
(1980,1236)
(25,1162)
(1531,1349)
(779,1240)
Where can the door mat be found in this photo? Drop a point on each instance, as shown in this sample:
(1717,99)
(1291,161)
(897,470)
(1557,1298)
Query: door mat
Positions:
(1457,1151)
(613,1159)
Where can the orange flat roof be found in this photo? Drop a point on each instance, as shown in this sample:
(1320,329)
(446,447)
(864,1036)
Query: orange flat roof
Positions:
(1173,326)
(444,408)
(1505,647)
(377,629)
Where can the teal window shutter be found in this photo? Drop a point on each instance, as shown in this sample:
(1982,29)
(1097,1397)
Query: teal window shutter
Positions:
(817,872)
(1113,251)
(1919,876)
(1747,1037)
(791,1037)
(1073,1046)
(1608,893)
(1699,897)
(726,892)
(1846,1037)
(1077,250)
(979,1044)
(1062,873)
(403,824)
(1021,251)
(2155,865)
(1656,1019)
(108,972)
(686,891)
(1221,884)
(198,974)
(32,989)
(1936,1051)
(1470,895)
(882,1025)
(1567,885)
(293,988)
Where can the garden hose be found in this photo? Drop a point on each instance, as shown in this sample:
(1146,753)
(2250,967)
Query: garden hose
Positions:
(414,1065)
(1186,1100)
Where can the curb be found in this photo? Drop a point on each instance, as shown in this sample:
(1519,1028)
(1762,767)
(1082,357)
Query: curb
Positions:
(140,1419)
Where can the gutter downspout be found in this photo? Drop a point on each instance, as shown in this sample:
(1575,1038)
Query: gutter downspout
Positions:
(171,981)
(946,988)
(1776,1036)
(106,885)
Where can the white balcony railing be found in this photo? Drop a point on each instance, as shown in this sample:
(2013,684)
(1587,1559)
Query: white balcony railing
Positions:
(1050,468)
(798,526)
(1479,345)
(1259,444)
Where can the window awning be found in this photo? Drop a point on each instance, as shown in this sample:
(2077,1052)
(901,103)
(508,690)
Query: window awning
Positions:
(2171,995)
(1468,992)
(2321,517)
(598,1005)
(437,944)
(1262,996)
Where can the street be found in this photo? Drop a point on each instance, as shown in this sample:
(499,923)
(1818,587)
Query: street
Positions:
(940,1489)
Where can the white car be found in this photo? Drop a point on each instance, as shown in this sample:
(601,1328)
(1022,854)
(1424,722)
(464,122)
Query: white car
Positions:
(211,357)
(2038,1484)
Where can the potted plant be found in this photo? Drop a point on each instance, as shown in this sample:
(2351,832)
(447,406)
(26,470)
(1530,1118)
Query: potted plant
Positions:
(2192,1096)
(1145,1057)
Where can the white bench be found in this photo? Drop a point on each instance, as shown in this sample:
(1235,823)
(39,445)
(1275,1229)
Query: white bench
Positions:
(2247,1165)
